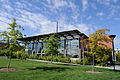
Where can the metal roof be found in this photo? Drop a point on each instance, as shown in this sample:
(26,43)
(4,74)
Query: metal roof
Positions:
(64,34)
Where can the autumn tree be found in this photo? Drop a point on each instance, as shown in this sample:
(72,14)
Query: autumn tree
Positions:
(99,50)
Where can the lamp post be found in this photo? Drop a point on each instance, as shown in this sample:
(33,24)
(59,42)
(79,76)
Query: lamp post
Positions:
(113,54)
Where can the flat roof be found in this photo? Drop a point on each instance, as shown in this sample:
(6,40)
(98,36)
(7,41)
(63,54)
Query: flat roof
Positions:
(64,34)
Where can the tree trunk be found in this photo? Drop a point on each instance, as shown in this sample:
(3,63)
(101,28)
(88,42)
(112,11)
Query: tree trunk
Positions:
(9,62)
(93,63)
(51,58)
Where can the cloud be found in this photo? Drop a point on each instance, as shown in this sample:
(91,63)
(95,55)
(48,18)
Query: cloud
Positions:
(100,14)
(114,9)
(40,23)
(84,5)
(117,40)
(3,23)
(55,4)
(118,18)
(3,0)
(93,5)
(89,17)
(36,21)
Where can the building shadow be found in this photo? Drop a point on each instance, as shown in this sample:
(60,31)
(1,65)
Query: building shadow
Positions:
(50,68)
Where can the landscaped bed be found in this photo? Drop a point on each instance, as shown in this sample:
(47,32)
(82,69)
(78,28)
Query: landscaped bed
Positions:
(31,70)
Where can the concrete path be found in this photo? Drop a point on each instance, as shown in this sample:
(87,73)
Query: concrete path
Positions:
(111,67)
(52,62)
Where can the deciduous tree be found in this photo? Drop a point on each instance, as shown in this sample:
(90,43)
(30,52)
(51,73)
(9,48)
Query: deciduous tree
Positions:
(99,50)
(10,37)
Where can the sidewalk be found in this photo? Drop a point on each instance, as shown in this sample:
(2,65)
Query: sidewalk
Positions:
(52,62)
(111,67)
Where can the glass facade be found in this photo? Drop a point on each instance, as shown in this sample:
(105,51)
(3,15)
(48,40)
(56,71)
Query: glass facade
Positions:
(70,45)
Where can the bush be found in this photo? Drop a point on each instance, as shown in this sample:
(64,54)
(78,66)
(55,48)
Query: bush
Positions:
(50,58)
(31,56)
(21,54)
(118,57)
(85,62)
(60,59)
(76,61)
(4,52)
(66,60)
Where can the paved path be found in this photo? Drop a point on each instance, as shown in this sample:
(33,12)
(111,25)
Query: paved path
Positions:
(111,67)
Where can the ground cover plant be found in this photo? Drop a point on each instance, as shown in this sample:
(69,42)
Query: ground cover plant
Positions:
(31,70)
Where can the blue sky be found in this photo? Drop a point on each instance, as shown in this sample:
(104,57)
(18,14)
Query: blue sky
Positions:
(40,16)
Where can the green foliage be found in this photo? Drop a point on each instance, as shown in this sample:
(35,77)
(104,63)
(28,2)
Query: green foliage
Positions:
(4,52)
(118,57)
(52,45)
(33,56)
(10,37)
(12,34)
(102,56)
(51,58)
(76,61)
(21,54)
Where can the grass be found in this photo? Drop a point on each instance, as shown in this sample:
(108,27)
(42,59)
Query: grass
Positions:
(31,70)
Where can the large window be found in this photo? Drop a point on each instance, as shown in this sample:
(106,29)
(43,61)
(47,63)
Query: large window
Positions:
(72,47)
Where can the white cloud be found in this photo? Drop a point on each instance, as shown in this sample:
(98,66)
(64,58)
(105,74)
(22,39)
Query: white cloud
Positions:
(55,4)
(39,22)
(75,10)
(4,23)
(84,4)
(117,40)
(114,9)
(89,17)
(3,0)
(93,5)
(36,21)
(100,14)
(118,18)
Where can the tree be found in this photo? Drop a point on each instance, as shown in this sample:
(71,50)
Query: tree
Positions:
(10,37)
(52,45)
(98,49)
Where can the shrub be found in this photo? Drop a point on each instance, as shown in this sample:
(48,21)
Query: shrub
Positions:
(4,52)
(118,57)
(21,54)
(31,56)
(86,60)
(66,60)
(76,61)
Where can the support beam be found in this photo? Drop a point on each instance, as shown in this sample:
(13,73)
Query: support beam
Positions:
(65,48)
(79,49)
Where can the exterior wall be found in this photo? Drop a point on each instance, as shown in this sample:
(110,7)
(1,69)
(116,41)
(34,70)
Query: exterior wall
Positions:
(108,44)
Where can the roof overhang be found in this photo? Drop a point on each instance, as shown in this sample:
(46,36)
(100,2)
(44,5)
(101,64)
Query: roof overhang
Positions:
(65,34)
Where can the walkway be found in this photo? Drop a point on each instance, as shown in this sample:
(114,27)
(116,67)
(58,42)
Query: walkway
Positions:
(111,67)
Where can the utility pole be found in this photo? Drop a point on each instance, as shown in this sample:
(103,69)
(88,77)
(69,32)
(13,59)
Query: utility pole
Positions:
(57,27)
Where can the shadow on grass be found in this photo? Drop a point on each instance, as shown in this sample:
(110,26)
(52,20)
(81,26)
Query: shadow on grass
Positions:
(50,68)
(115,70)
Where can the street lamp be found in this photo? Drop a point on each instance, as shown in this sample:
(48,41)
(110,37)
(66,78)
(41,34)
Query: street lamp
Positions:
(113,54)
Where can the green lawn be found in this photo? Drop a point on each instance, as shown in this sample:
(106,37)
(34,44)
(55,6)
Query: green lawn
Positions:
(31,70)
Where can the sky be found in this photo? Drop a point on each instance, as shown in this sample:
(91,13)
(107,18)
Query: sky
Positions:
(41,16)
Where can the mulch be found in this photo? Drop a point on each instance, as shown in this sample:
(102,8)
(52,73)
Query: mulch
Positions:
(8,69)
(94,72)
